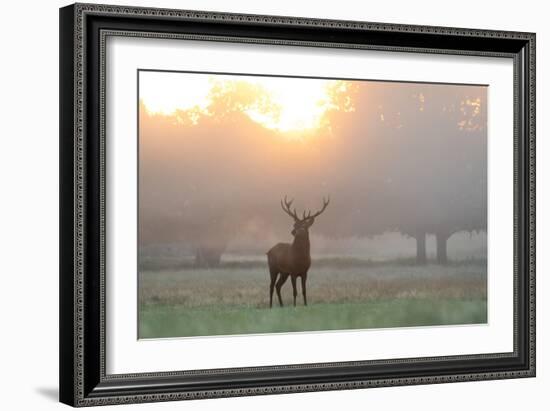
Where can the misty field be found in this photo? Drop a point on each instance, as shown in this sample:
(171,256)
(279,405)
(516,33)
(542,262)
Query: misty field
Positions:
(183,301)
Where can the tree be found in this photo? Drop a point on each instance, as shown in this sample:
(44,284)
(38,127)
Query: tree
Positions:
(393,156)
(424,149)
(445,126)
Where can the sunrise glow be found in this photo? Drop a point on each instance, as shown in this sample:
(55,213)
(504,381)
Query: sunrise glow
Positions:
(278,103)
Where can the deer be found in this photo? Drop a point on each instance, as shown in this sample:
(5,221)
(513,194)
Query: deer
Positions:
(292,259)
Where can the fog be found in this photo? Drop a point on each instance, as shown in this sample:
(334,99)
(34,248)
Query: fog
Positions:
(405,165)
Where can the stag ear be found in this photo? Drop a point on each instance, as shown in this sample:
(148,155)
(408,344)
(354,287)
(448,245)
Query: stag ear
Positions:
(310,221)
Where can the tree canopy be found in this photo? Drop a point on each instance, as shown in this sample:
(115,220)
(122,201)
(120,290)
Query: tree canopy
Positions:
(409,157)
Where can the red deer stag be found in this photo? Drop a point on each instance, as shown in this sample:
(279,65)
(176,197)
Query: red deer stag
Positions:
(293,259)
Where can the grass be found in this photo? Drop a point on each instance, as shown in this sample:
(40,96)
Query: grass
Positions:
(233,299)
(161,320)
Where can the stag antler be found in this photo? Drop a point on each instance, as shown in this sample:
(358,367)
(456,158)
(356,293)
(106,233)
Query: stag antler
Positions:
(286,209)
(318,213)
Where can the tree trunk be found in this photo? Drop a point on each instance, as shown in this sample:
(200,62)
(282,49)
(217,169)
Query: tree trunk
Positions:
(420,248)
(441,242)
(208,256)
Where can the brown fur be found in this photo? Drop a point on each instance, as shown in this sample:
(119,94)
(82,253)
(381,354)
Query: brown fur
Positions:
(292,260)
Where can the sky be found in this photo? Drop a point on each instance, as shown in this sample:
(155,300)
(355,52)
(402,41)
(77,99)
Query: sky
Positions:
(289,104)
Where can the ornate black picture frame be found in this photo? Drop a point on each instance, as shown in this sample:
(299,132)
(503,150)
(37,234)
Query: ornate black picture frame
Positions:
(83,378)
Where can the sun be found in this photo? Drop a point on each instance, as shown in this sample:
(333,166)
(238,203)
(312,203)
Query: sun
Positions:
(283,104)
(300,103)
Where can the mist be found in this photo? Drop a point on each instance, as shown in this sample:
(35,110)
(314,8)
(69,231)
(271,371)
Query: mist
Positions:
(405,165)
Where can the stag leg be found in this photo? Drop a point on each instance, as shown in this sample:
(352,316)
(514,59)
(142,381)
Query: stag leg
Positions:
(273,273)
(304,278)
(278,286)
(294,292)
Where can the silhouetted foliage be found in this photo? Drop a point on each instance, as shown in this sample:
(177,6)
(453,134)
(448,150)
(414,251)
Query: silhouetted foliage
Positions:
(393,156)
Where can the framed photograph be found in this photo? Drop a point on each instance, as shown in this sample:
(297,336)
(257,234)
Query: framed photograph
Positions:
(261,204)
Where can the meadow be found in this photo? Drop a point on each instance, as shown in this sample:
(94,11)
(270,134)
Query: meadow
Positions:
(183,301)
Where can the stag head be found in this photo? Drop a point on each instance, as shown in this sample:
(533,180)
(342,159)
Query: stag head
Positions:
(307,220)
